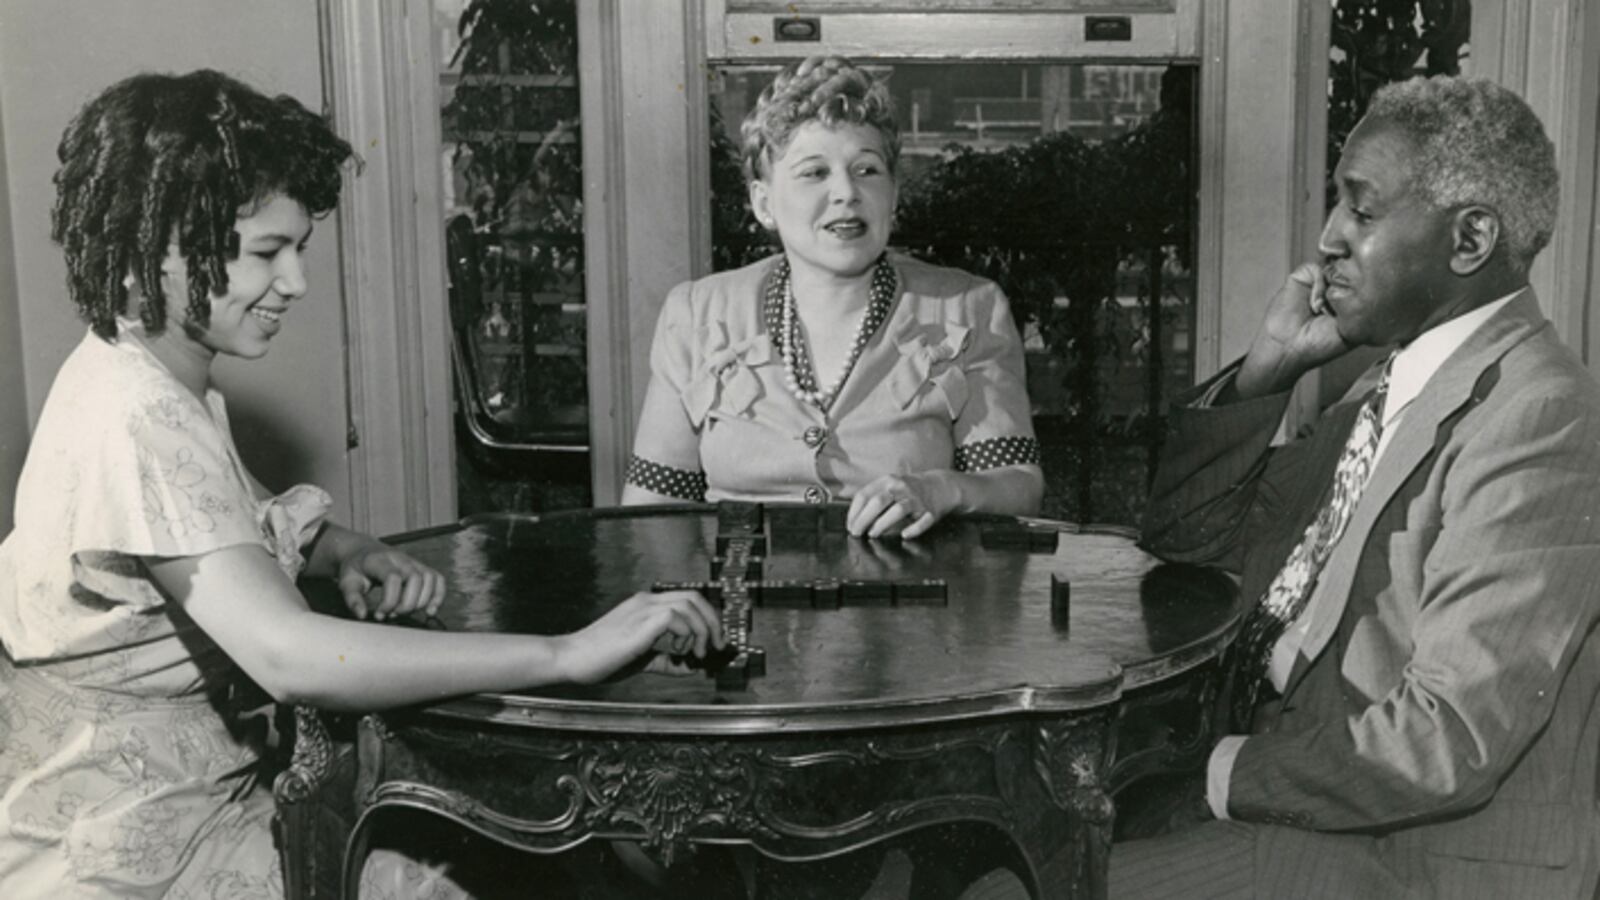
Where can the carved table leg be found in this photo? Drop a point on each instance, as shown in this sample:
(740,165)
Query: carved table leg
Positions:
(1071,760)
(313,809)
(1169,730)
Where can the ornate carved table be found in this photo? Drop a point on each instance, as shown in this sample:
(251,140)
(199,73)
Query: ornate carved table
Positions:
(1030,670)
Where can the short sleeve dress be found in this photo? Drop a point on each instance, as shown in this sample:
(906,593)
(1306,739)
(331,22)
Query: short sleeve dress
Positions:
(940,385)
(126,769)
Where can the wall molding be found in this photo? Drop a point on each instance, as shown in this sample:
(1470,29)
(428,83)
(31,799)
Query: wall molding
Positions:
(1211,219)
(1571,90)
(605,245)
(1549,52)
(1255,195)
(646,155)
(382,95)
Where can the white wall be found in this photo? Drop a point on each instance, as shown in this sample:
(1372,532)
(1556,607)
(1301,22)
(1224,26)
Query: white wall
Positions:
(1549,52)
(1258,169)
(288,409)
(13,385)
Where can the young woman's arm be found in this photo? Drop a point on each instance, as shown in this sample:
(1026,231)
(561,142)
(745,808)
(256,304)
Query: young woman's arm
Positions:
(242,600)
(358,562)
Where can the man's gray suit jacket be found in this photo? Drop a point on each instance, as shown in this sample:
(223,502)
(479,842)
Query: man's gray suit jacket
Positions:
(1442,718)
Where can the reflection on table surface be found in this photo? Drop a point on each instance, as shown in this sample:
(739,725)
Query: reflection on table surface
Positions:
(1130,619)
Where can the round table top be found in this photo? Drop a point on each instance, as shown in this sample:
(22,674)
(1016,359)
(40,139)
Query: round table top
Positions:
(995,646)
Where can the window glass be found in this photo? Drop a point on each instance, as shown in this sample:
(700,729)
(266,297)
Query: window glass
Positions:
(1372,43)
(511,159)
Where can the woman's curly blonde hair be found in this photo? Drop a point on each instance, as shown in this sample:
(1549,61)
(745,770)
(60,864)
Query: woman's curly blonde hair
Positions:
(826,89)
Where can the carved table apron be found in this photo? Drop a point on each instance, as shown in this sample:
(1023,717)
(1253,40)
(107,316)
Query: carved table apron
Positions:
(1053,673)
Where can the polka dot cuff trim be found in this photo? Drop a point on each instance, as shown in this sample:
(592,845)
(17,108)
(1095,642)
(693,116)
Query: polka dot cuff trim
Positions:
(997,452)
(680,484)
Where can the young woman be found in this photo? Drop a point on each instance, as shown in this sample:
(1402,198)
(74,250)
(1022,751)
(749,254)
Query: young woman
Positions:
(149,573)
(834,370)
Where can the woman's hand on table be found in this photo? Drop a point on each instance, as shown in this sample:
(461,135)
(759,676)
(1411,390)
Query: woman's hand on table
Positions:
(670,623)
(408,586)
(904,504)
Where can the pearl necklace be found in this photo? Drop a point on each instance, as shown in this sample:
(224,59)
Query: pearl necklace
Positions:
(799,373)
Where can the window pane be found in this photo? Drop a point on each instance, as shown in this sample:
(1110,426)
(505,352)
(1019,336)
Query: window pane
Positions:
(513,228)
(1375,42)
(1372,43)
(1073,187)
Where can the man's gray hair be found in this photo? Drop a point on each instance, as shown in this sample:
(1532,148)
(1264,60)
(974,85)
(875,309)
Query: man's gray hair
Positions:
(1478,143)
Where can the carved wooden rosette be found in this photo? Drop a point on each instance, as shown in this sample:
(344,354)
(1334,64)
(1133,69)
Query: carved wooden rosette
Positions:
(670,792)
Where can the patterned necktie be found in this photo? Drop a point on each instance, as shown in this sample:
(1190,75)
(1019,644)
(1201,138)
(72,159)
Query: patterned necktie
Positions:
(1286,597)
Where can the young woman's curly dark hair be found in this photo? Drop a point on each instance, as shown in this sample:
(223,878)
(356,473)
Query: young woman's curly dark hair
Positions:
(163,158)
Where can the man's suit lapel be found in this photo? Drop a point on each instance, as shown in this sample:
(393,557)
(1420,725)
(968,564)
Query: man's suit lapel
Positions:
(1449,388)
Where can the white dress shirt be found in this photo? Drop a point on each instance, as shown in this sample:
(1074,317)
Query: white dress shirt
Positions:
(1408,375)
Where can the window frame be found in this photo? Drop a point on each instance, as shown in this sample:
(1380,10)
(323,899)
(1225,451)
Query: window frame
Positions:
(400,440)
(646,191)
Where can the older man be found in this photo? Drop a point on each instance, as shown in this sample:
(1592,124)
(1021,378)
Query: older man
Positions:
(1418,684)
(1423,668)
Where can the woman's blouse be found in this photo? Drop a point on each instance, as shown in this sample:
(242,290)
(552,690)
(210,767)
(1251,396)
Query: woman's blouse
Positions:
(123,771)
(939,385)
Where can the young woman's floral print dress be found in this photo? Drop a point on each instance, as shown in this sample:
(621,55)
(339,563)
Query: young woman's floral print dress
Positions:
(122,771)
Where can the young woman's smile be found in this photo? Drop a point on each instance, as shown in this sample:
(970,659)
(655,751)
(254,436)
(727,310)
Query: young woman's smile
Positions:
(263,280)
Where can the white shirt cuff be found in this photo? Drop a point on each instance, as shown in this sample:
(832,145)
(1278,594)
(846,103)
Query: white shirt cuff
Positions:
(1219,772)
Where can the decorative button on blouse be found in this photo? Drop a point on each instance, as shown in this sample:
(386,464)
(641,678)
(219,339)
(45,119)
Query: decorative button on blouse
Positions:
(815,436)
(815,494)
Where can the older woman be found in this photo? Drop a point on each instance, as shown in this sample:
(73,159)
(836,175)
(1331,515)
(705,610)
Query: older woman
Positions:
(834,369)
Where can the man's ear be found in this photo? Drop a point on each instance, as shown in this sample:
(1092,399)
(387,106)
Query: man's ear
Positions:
(1475,233)
(760,205)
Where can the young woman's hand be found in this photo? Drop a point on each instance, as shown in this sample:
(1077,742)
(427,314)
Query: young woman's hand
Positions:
(408,586)
(680,623)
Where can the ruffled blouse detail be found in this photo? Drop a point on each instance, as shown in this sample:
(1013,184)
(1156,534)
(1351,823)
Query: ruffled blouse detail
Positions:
(932,362)
(288,522)
(724,379)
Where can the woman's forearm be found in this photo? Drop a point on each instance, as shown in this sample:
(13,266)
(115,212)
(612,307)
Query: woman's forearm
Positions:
(242,601)
(333,546)
(336,664)
(1007,490)
(633,495)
